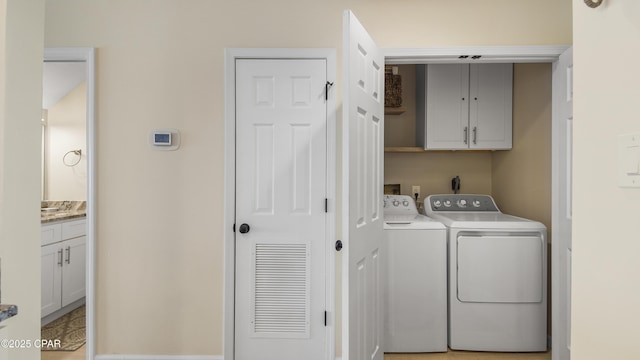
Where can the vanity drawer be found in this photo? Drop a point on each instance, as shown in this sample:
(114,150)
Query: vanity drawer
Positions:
(50,234)
(73,229)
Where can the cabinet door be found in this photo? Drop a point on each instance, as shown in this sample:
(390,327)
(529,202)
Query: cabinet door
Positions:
(447,106)
(490,109)
(51,283)
(73,273)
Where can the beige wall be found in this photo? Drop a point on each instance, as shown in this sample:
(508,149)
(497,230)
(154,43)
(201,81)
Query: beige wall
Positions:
(160,64)
(433,171)
(400,130)
(521,177)
(606,224)
(21,49)
(66,131)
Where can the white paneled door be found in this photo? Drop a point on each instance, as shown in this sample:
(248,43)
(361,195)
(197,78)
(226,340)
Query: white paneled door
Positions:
(363,124)
(562,198)
(281,139)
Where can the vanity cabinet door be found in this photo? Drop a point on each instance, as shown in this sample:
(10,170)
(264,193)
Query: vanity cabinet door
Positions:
(51,283)
(74,266)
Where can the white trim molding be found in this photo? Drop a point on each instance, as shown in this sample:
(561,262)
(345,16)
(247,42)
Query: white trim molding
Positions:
(158,357)
(231,55)
(487,54)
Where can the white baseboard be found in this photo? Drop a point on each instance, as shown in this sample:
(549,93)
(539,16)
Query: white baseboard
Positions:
(157,357)
(162,357)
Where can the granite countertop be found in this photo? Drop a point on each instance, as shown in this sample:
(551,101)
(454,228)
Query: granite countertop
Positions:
(7,311)
(52,211)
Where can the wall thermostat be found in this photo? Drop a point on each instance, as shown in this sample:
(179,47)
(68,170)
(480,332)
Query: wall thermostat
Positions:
(164,139)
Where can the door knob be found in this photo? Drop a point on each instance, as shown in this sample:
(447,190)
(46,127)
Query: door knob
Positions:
(244,228)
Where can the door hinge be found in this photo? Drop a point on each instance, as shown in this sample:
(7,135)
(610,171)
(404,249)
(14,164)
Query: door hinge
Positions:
(325,318)
(326,205)
(338,245)
(327,86)
(234,227)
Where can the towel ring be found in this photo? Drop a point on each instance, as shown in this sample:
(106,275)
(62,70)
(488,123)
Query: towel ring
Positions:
(69,163)
(593,3)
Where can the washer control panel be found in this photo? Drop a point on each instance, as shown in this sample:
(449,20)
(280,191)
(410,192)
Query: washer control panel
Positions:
(461,202)
(399,204)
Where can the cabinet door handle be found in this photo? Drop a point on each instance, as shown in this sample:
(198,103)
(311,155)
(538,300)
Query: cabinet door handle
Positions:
(68,254)
(475,135)
(466,134)
(60,257)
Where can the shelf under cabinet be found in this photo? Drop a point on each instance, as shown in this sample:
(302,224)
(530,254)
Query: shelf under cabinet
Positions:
(415,149)
(404,149)
(394,110)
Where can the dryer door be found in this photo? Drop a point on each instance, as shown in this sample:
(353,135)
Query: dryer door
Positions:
(500,269)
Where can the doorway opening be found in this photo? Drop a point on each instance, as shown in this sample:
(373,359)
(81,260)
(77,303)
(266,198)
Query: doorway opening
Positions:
(69,194)
(534,68)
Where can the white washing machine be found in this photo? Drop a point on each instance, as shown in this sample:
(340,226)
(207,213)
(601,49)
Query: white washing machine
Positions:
(497,275)
(414,278)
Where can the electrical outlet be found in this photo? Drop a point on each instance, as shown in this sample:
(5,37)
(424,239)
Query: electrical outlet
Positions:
(415,189)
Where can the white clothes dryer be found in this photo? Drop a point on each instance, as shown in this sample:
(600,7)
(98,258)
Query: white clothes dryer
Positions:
(497,275)
(414,278)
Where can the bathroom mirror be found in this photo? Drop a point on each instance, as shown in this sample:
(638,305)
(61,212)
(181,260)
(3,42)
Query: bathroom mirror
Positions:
(64,118)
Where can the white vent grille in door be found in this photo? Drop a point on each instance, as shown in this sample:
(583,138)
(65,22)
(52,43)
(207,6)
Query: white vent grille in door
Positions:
(281,290)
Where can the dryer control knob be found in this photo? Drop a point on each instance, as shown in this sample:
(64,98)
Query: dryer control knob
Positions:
(405,203)
(462,203)
(396,202)
(437,204)
(476,203)
(447,203)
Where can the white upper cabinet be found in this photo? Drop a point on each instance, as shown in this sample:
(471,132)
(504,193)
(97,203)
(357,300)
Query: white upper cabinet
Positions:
(464,106)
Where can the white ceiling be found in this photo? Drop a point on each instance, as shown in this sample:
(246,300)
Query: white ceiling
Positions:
(58,79)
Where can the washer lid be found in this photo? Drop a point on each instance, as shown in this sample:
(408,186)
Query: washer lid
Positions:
(411,222)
